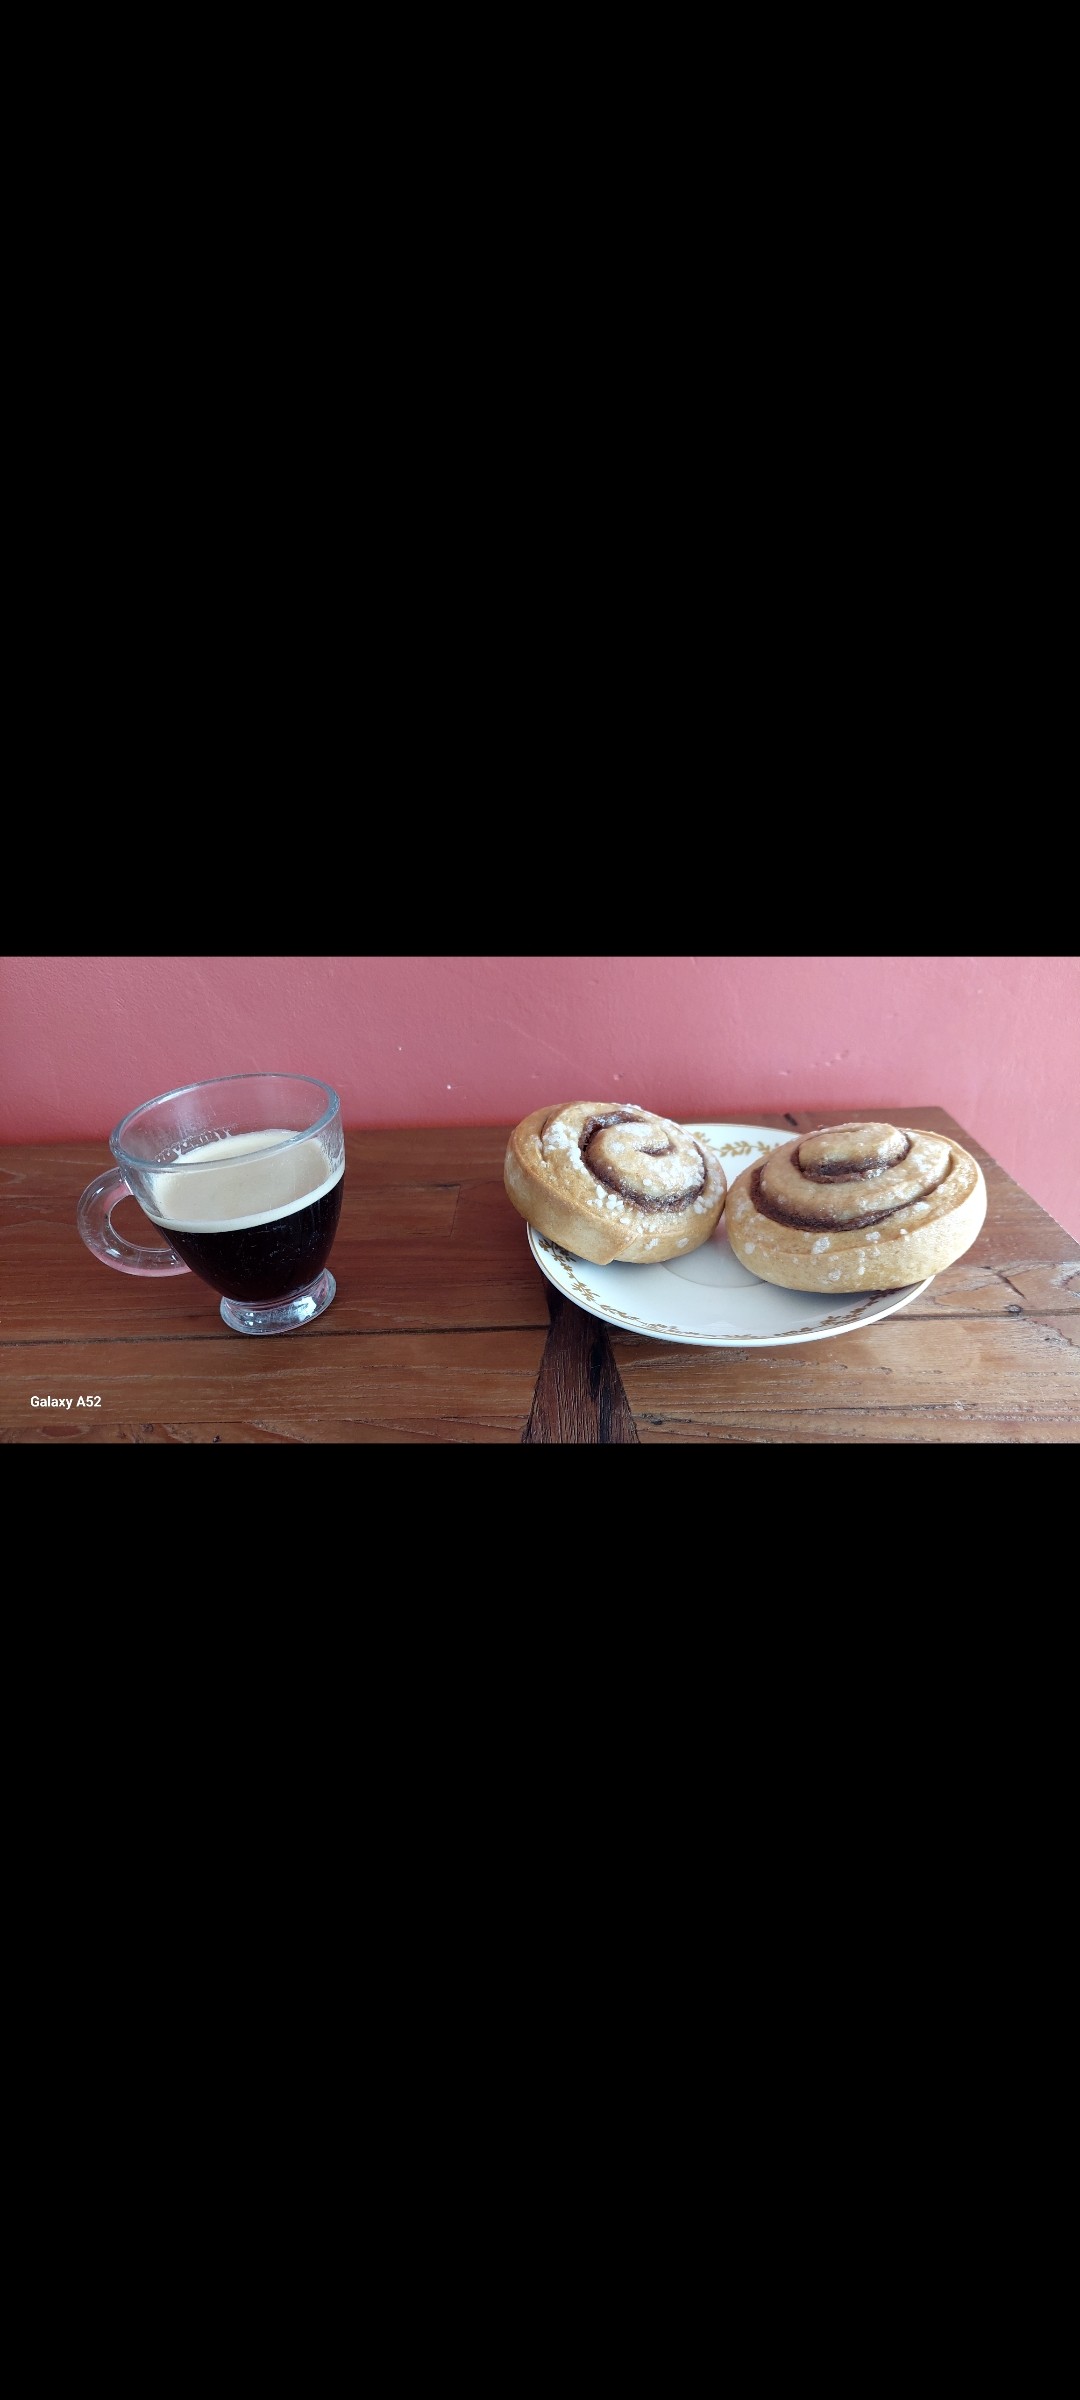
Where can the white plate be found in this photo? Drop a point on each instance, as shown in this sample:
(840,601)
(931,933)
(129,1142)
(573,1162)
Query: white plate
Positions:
(710,1297)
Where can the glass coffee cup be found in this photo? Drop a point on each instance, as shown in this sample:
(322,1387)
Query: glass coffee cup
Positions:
(243,1176)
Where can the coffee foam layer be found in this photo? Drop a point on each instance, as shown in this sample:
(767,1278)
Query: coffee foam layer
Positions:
(240,1182)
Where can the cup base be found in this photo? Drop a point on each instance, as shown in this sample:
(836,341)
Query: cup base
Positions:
(281,1316)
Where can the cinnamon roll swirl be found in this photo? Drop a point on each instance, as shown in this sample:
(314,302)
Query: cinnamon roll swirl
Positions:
(856,1208)
(613,1183)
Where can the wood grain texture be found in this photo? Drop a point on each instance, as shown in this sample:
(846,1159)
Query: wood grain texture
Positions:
(579,1394)
(445,1331)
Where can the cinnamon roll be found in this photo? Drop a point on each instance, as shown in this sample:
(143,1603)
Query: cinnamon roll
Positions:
(613,1183)
(856,1208)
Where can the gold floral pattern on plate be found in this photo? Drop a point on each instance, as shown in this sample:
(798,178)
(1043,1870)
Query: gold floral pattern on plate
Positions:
(741,1149)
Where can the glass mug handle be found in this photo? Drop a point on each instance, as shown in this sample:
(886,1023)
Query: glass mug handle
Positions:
(100,1235)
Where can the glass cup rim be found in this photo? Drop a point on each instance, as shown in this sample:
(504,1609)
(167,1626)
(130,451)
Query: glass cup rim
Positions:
(206,1083)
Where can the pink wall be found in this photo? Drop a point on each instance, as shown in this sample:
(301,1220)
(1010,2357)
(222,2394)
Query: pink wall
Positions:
(452,1041)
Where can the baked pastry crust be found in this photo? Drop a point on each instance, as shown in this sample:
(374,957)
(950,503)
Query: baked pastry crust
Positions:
(614,1183)
(856,1208)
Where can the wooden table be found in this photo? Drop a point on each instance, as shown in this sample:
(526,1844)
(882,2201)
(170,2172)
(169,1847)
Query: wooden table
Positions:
(445,1330)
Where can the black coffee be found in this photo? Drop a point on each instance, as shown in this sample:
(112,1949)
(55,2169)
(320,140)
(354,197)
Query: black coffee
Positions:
(256,1227)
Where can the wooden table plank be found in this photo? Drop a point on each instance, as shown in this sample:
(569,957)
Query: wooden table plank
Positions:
(903,1372)
(463,1384)
(579,1396)
(316,1431)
